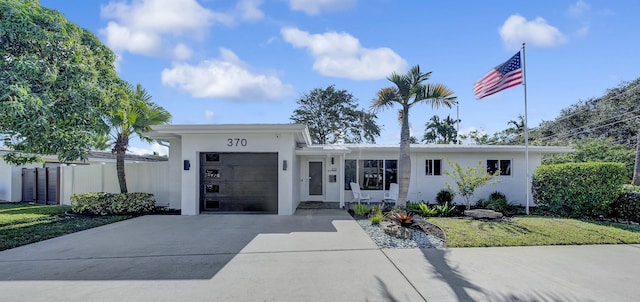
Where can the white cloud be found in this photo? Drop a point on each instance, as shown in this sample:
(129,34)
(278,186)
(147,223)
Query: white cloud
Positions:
(516,30)
(313,7)
(583,31)
(182,51)
(250,10)
(225,77)
(156,27)
(155,147)
(341,55)
(578,9)
(208,115)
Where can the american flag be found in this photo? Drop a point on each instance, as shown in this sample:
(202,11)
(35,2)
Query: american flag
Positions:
(505,75)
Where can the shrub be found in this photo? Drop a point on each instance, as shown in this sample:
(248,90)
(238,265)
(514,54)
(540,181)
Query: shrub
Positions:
(627,206)
(578,189)
(413,207)
(498,202)
(403,219)
(376,219)
(445,196)
(101,203)
(445,210)
(361,209)
(426,210)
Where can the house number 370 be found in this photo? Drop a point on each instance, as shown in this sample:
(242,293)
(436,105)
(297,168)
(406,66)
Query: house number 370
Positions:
(235,142)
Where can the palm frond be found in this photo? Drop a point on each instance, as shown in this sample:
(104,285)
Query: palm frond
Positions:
(437,94)
(386,98)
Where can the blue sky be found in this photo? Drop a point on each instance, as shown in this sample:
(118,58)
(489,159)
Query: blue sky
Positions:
(248,61)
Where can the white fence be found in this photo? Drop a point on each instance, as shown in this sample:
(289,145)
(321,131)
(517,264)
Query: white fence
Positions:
(145,177)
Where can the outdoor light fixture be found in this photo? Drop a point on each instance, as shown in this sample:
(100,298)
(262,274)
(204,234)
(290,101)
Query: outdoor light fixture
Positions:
(284,165)
(333,161)
(187,164)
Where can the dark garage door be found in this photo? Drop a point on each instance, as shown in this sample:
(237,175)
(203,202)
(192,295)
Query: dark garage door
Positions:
(239,182)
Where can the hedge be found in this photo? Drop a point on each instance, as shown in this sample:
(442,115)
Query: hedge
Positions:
(627,206)
(578,189)
(112,204)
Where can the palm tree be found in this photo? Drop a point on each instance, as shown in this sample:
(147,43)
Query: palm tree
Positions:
(440,131)
(135,115)
(408,91)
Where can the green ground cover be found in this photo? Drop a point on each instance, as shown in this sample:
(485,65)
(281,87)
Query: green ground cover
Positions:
(534,230)
(23,223)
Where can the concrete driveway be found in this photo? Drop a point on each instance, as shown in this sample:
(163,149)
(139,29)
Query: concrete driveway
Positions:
(317,255)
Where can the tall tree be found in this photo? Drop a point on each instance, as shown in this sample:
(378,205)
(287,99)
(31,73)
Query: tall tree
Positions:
(135,115)
(54,78)
(332,116)
(408,91)
(440,131)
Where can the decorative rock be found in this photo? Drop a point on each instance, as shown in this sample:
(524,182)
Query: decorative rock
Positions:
(398,231)
(483,214)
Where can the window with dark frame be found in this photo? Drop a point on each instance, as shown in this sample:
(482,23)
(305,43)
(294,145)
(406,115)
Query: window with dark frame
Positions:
(433,167)
(370,174)
(502,165)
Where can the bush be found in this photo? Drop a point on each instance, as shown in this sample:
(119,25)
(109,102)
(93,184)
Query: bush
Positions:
(627,206)
(578,189)
(498,202)
(376,219)
(445,210)
(445,196)
(361,209)
(112,204)
(421,208)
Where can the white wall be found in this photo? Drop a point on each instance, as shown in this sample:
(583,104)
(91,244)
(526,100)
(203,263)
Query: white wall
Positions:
(281,143)
(148,177)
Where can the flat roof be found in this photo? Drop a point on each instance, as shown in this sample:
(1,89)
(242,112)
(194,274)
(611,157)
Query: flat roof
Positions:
(168,132)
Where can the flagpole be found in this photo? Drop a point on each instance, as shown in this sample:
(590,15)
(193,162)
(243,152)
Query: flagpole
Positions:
(526,130)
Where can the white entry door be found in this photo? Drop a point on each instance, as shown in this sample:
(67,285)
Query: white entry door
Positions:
(314,186)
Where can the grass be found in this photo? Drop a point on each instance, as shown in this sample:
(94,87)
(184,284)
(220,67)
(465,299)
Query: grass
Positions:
(22,223)
(532,230)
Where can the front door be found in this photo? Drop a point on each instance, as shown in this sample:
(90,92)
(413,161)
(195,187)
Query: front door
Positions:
(315,184)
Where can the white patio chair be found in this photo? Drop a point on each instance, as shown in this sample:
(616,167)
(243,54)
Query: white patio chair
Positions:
(357,194)
(391,196)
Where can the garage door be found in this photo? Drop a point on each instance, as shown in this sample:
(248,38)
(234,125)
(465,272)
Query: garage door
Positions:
(239,182)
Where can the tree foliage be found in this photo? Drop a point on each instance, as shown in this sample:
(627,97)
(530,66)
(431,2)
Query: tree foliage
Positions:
(409,89)
(614,115)
(54,81)
(601,149)
(332,116)
(468,179)
(439,131)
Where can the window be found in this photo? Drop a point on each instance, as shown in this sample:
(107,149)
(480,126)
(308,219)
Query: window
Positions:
(433,167)
(504,165)
(350,172)
(370,174)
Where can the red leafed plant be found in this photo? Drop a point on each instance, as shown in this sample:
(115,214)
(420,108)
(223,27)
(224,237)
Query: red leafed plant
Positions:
(403,219)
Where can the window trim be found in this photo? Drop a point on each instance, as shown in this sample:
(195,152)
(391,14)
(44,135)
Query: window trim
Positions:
(499,162)
(357,173)
(426,166)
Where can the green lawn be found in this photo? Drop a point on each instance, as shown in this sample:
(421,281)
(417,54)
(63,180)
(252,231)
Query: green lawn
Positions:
(22,223)
(532,230)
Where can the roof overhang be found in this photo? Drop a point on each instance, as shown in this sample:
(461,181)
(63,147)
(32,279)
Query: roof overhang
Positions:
(323,150)
(461,148)
(169,132)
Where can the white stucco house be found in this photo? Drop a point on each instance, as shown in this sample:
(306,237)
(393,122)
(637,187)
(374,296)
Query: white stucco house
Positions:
(271,168)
